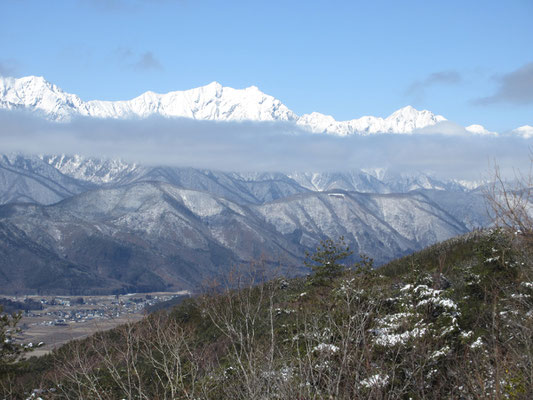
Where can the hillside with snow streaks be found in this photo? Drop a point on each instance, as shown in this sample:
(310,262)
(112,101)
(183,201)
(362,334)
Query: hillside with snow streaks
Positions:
(210,102)
(47,179)
(156,236)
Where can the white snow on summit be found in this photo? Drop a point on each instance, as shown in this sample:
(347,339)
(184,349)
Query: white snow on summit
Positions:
(405,120)
(89,169)
(211,102)
(36,93)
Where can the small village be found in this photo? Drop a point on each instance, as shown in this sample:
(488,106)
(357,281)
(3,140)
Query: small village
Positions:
(61,311)
(53,320)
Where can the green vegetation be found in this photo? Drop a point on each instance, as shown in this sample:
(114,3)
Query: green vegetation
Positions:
(452,321)
(11,351)
(325,262)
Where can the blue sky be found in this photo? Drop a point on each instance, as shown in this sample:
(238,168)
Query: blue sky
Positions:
(471,61)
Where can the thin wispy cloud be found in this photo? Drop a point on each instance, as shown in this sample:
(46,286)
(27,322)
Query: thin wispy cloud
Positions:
(147,61)
(124,54)
(143,62)
(77,54)
(253,146)
(419,87)
(514,88)
(8,67)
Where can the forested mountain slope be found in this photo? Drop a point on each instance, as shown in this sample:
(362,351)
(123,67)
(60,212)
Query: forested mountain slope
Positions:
(452,321)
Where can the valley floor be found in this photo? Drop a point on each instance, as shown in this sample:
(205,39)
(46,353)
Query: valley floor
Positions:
(63,319)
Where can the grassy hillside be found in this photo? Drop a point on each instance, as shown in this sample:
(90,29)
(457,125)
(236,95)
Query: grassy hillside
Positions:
(452,321)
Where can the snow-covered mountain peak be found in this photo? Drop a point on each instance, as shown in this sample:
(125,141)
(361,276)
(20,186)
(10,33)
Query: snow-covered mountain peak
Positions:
(407,111)
(408,118)
(211,90)
(411,113)
(29,82)
(214,84)
(210,102)
(320,123)
(404,120)
(38,94)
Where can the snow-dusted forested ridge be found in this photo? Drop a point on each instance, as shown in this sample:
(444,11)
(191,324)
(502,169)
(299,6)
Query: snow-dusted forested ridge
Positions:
(210,102)
(110,225)
(46,179)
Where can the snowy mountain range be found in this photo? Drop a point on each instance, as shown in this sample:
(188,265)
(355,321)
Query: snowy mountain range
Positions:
(210,102)
(151,235)
(47,179)
(73,224)
(79,225)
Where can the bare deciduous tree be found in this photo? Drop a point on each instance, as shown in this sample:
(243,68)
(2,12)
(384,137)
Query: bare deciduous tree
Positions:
(510,201)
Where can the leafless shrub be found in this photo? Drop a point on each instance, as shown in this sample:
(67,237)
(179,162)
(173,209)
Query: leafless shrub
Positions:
(242,311)
(146,360)
(510,201)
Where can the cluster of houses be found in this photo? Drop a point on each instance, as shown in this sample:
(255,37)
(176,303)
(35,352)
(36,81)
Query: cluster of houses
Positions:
(62,311)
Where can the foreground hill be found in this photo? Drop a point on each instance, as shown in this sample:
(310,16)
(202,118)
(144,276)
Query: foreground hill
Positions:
(452,321)
(150,236)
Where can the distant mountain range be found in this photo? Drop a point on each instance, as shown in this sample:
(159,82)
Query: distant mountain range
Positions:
(47,179)
(210,102)
(76,225)
(155,236)
(71,224)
